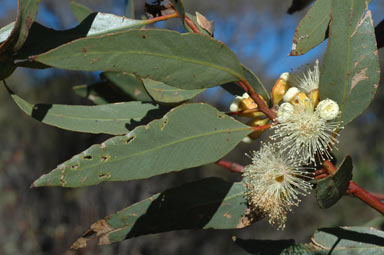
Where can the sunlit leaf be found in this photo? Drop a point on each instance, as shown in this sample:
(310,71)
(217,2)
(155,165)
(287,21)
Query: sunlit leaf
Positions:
(188,61)
(6,31)
(188,136)
(207,203)
(114,119)
(330,189)
(95,24)
(350,73)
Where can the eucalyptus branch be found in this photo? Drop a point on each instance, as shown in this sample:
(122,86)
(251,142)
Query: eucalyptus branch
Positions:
(357,191)
(243,83)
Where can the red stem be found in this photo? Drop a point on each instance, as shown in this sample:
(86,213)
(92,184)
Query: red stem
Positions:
(264,127)
(365,196)
(243,112)
(232,166)
(377,195)
(164,17)
(256,97)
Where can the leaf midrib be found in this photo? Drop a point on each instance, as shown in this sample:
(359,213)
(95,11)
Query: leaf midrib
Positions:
(134,52)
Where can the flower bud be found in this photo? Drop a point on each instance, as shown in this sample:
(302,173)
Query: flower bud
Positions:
(314,97)
(300,99)
(257,133)
(234,107)
(280,88)
(291,93)
(284,112)
(328,109)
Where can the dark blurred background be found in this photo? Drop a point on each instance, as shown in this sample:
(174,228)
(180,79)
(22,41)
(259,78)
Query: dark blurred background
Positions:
(48,220)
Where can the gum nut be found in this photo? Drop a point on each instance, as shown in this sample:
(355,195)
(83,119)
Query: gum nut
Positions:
(234,107)
(284,76)
(328,109)
(291,93)
(246,140)
(284,113)
(245,95)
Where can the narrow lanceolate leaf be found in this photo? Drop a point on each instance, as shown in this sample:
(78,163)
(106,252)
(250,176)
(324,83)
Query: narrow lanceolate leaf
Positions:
(164,93)
(350,73)
(94,24)
(188,136)
(207,203)
(332,188)
(26,13)
(129,84)
(114,119)
(80,11)
(186,61)
(348,240)
(312,29)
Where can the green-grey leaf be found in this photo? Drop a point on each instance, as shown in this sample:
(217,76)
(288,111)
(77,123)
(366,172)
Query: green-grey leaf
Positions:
(188,61)
(101,93)
(312,29)
(95,24)
(350,73)
(80,11)
(164,93)
(188,136)
(349,240)
(114,119)
(26,13)
(207,203)
(329,190)
(129,84)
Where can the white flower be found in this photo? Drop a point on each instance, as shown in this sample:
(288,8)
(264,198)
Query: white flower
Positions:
(306,133)
(307,81)
(273,182)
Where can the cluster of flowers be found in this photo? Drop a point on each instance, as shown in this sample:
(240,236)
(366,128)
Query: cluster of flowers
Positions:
(305,131)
